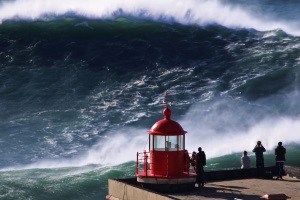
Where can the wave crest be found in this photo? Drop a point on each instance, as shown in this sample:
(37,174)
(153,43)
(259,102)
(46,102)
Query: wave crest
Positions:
(180,11)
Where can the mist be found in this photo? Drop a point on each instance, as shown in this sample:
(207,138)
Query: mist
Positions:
(225,125)
(217,138)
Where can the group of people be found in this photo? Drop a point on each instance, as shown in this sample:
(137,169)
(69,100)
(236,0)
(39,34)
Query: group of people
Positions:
(259,149)
(198,161)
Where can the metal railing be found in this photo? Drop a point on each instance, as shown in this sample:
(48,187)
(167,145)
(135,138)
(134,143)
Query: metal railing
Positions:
(143,164)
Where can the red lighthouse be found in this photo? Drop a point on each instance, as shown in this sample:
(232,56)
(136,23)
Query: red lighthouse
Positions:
(165,166)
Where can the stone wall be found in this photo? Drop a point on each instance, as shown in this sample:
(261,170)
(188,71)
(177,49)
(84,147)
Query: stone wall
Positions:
(238,174)
(120,189)
(292,171)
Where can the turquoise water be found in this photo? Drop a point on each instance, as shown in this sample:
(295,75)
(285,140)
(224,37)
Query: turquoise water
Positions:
(82,82)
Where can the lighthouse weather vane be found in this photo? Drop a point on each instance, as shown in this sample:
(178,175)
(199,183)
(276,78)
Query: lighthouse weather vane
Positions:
(166,102)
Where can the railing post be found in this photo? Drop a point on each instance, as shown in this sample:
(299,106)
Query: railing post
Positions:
(187,163)
(137,163)
(145,162)
(167,164)
(196,166)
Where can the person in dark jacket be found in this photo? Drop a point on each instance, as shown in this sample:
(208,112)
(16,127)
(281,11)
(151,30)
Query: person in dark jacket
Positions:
(259,149)
(280,152)
(200,162)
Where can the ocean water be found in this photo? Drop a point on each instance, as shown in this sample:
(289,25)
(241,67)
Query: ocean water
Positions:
(81,82)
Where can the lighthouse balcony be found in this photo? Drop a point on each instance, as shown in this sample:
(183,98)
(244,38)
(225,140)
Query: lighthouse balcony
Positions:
(163,167)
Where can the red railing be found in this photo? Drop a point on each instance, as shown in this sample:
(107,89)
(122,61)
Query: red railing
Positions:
(143,165)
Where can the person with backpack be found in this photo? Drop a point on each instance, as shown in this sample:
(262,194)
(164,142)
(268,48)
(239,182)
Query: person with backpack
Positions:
(280,152)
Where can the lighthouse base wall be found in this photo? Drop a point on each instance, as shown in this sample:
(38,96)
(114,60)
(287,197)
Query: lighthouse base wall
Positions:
(170,181)
(170,188)
(130,189)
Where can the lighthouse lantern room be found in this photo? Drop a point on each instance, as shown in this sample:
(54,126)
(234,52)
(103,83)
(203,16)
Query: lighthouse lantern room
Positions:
(166,165)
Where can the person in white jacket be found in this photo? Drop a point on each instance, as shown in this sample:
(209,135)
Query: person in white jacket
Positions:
(245,161)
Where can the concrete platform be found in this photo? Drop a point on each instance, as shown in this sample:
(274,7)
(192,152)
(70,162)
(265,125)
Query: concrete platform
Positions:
(219,186)
(247,189)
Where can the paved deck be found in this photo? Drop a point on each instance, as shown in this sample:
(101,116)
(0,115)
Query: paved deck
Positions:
(232,184)
(246,189)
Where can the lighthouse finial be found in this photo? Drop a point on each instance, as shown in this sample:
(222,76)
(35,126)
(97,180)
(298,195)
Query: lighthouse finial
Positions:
(167,112)
(166,99)
(166,102)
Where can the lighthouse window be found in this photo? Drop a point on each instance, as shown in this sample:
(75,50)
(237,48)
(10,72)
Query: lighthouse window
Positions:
(172,143)
(181,142)
(159,142)
(167,143)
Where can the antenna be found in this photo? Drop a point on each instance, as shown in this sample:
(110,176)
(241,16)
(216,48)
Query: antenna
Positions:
(166,99)
(166,102)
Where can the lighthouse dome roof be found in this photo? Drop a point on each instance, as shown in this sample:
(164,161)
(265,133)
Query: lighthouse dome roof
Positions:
(166,126)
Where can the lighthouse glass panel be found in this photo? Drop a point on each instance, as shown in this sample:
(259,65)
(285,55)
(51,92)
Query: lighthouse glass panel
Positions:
(174,143)
(151,142)
(159,142)
(171,143)
(181,142)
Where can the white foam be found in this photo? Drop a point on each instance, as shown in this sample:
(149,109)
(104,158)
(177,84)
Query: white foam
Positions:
(218,143)
(121,145)
(199,12)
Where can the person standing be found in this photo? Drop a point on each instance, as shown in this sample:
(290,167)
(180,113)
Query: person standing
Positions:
(280,152)
(193,160)
(245,161)
(259,149)
(200,162)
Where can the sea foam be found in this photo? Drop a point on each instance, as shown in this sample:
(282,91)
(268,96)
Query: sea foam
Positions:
(187,12)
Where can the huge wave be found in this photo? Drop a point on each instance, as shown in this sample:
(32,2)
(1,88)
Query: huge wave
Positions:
(197,12)
(212,72)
